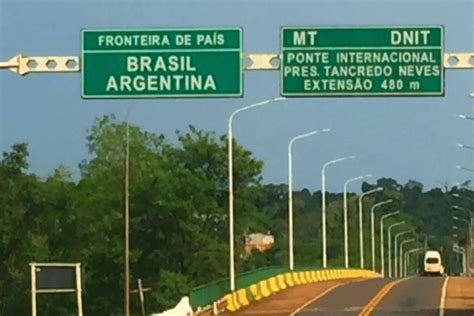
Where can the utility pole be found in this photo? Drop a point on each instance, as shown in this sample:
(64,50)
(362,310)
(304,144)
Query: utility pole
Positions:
(126,226)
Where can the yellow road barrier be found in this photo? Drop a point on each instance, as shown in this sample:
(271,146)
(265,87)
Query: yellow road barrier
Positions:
(231,304)
(272,282)
(242,297)
(302,278)
(255,292)
(289,280)
(281,281)
(264,288)
(296,278)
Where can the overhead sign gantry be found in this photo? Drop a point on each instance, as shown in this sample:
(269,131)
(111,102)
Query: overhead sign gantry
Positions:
(209,62)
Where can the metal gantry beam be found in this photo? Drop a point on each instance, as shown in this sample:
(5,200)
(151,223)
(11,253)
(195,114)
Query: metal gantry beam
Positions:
(24,65)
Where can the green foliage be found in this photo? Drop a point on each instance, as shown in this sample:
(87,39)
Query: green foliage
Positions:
(179,221)
(171,288)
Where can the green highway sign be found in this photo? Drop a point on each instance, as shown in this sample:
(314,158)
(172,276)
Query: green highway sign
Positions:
(362,61)
(154,63)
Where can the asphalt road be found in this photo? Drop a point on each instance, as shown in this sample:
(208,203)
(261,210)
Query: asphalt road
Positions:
(345,300)
(375,297)
(413,296)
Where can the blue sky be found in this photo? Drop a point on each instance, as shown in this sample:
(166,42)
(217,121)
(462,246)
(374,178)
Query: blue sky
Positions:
(400,137)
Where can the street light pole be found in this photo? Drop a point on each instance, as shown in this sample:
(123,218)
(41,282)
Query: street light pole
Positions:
(465,146)
(382,255)
(290,192)
(468,257)
(459,208)
(425,242)
(323,202)
(461,220)
(127,221)
(395,261)
(464,168)
(462,252)
(372,227)
(361,223)
(346,228)
(462,197)
(231,185)
(469,253)
(466,117)
(407,257)
(401,253)
(390,259)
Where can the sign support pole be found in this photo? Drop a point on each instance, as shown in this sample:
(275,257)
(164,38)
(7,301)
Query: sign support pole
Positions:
(79,289)
(33,289)
(141,296)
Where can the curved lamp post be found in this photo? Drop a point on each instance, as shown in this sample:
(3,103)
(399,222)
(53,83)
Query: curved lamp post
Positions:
(390,259)
(462,252)
(464,168)
(323,201)
(403,243)
(361,223)
(231,184)
(466,117)
(290,191)
(372,227)
(465,146)
(382,255)
(407,257)
(395,259)
(457,195)
(346,229)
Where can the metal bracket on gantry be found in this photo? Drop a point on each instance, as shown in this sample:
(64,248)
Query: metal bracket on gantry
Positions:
(25,64)
(262,61)
(459,60)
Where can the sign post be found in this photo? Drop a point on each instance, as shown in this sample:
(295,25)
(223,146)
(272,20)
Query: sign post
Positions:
(154,63)
(362,61)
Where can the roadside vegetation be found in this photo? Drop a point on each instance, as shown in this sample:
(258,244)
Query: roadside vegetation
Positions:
(179,222)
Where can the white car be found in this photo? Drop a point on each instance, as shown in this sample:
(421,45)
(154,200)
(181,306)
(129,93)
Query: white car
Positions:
(433,264)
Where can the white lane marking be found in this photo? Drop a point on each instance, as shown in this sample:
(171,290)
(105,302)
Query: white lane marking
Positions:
(317,297)
(443,297)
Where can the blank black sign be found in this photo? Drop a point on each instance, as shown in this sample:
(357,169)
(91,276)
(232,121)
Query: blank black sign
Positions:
(55,278)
